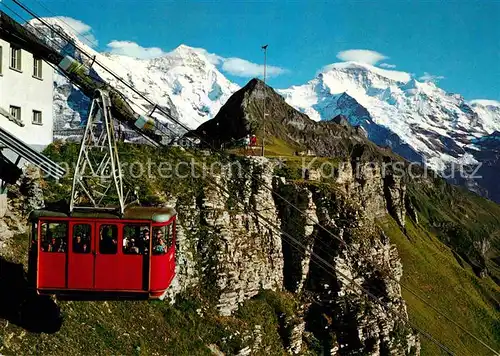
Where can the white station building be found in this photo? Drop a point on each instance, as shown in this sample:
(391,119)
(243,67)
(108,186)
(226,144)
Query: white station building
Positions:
(26,85)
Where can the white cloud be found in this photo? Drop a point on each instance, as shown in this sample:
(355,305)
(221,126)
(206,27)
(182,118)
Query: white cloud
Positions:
(427,77)
(242,68)
(361,55)
(387,65)
(132,49)
(78,28)
(485,102)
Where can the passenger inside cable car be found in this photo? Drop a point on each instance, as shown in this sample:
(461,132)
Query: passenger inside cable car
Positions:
(101,253)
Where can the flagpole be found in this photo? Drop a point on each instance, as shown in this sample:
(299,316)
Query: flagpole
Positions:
(264,106)
(265,63)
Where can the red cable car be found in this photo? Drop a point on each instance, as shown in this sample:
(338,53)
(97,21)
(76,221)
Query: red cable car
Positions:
(102,254)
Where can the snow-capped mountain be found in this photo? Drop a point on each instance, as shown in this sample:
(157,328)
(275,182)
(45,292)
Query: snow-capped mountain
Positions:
(417,119)
(184,82)
(489,113)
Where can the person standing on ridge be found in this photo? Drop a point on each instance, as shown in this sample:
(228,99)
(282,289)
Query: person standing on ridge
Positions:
(253,141)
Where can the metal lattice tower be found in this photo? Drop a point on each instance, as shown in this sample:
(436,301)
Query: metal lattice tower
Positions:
(97,180)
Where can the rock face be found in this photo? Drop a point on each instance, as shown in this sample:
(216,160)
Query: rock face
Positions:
(225,246)
(481,178)
(22,197)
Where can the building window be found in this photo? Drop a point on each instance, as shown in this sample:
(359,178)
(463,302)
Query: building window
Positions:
(37,117)
(15,112)
(15,58)
(37,68)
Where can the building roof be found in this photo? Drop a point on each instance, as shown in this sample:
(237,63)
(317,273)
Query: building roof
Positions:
(157,215)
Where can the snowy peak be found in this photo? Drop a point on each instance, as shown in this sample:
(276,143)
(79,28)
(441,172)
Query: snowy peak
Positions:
(184,56)
(365,73)
(185,81)
(489,112)
(492,104)
(411,116)
(195,85)
(357,79)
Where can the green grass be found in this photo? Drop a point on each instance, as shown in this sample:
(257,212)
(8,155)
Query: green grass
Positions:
(153,328)
(431,270)
(461,219)
(278,147)
(274,147)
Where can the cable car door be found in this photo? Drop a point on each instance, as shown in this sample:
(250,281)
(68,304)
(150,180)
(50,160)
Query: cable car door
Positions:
(81,256)
(133,257)
(163,257)
(52,255)
(106,273)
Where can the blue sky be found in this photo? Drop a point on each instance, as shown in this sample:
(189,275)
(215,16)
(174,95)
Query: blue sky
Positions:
(454,42)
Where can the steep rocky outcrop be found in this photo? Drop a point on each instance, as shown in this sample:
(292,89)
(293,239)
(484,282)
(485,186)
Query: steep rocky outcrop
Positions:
(22,198)
(341,200)
(234,253)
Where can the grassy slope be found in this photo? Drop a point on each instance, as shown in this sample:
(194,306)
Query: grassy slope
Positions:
(149,327)
(431,270)
(461,219)
(144,328)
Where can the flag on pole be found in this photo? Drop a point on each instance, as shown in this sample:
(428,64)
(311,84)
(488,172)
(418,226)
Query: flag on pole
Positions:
(264,47)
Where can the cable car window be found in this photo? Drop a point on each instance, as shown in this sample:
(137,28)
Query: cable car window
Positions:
(108,239)
(81,238)
(54,237)
(161,239)
(168,235)
(135,239)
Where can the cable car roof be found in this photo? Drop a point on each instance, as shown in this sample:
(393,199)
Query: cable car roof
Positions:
(157,215)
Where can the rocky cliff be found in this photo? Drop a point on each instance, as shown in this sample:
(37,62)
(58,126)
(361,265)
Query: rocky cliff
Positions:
(235,252)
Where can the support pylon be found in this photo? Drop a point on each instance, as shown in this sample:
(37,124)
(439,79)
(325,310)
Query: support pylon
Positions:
(97,180)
